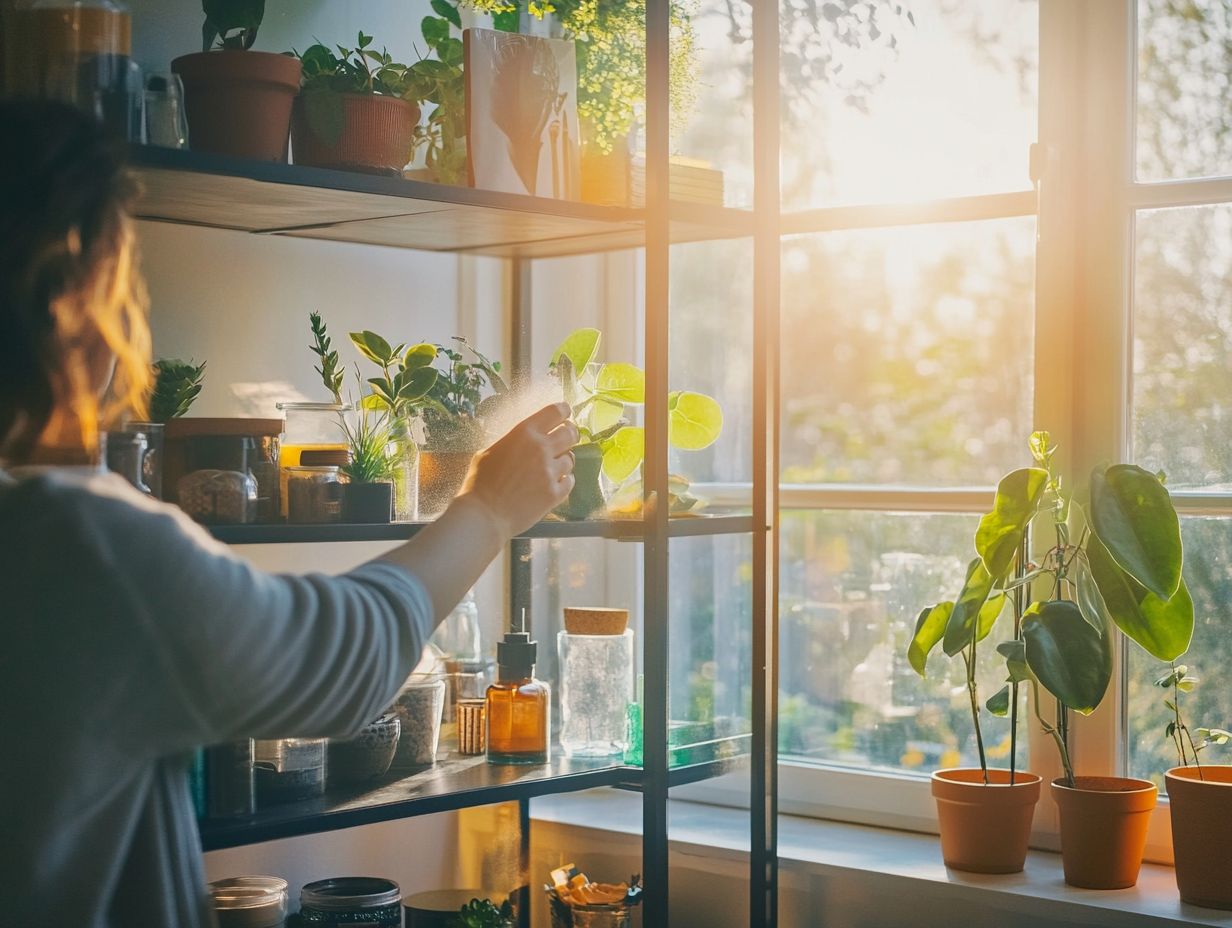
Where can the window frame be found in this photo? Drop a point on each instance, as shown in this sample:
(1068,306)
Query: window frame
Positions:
(1086,201)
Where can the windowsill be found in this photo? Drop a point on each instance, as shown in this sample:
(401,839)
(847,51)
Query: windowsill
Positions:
(813,847)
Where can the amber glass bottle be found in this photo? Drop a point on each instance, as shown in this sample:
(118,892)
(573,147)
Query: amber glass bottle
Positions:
(519,706)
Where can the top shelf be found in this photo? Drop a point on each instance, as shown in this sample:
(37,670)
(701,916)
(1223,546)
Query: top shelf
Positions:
(285,199)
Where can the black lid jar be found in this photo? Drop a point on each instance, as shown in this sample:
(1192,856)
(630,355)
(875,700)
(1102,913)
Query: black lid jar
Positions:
(351,900)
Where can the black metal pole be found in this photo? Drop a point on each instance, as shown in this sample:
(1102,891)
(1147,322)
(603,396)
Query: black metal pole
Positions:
(763,782)
(655,500)
(520,312)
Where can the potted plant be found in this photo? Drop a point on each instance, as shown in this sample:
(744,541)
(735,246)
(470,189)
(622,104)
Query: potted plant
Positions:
(468,388)
(984,815)
(356,110)
(1199,802)
(483,913)
(611,446)
(406,377)
(238,101)
(369,495)
(1124,570)
(177,384)
(438,79)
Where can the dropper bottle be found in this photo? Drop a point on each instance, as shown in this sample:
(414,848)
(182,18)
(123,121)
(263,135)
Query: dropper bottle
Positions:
(519,706)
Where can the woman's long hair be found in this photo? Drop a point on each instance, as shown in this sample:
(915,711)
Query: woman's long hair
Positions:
(72,301)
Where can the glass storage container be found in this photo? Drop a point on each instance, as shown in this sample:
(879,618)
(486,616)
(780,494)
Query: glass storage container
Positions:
(235,445)
(289,769)
(596,686)
(314,494)
(351,900)
(309,427)
(250,902)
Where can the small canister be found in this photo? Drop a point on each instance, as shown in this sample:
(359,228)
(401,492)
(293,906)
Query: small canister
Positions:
(472,726)
(351,900)
(314,494)
(250,902)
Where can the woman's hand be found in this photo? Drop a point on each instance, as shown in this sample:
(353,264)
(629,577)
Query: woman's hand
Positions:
(527,473)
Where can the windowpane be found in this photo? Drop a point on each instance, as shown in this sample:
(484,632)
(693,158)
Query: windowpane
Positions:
(1184,123)
(852,584)
(1208,573)
(908,353)
(1182,417)
(887,101)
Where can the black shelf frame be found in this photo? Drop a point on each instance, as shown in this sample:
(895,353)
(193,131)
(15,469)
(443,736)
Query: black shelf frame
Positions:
(614,529)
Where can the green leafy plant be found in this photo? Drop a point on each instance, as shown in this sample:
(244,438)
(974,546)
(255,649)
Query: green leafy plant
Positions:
(1175,683)
(369,440)
(407,376)
(437,78)
(468,386)
(330,370)
(483,913)
(232,23)
(610,37)
(177,384)
(1124,570)
(361,69)
(601,396)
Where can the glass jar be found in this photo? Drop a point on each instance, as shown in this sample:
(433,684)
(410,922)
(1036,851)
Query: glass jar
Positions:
(126,454)
(309,427)
(419,705)
(314,494)
(289,769)
(152,463)
(351,900)
(219,497)
(596,685)
(250,902)
(458,638)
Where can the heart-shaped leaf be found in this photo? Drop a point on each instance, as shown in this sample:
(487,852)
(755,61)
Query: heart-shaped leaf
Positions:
(1132,514)
(963,623)
(625,383)
(1000,533)
(1162,628)
(623,453)
(580,347)
(1068,657)
(929,628)
(694,421)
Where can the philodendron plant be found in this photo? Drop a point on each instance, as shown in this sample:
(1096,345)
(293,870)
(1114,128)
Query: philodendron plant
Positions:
(1124,569)
(601,395)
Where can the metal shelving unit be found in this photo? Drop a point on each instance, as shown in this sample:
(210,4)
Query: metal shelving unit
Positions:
(202,190)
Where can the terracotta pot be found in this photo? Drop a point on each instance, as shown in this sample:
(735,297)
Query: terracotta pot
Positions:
(1201,806)
(239,102)
(985,828)
(441,474)
(1104,822)
(353,132)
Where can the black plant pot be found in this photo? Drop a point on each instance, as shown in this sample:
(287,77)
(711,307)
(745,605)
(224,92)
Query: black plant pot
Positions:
(369,502)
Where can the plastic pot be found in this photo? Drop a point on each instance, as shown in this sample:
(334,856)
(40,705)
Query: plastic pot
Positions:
(239,102)
(985,827)
(364,132)
(586,497)
(1104,822)
(1200,802)
(369,503)
(441,474)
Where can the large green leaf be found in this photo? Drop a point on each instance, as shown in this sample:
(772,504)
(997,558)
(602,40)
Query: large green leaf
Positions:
(1163,628)
(447,10)
(418,356)
(694,420)
(929,628)
(418,385)
(372,347)
(580,347)
(1067,656)
(999,703)
(623,453)
(1000,532)
(623,382)
(965,618)
(1132,514)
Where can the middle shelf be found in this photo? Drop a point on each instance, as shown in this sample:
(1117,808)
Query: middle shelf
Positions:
(621,529)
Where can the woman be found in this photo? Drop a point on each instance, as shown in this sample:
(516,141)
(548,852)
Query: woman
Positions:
(129,636)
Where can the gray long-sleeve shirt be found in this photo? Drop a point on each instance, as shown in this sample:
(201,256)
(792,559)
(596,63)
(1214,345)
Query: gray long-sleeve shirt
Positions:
(128,637)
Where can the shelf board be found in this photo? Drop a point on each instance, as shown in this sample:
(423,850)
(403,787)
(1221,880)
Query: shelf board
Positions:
(453,782)
(619,529)
(285,199)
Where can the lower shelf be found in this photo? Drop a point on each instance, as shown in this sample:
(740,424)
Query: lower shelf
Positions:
(453,782)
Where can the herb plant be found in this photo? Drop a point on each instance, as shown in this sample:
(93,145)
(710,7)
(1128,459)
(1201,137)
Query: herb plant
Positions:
(329,369)
(601,394)
(369,440)
(177,384)
(467,386)
(1180,681)
(361,69)
(1123,570)
(233,23)
(483,913)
